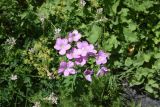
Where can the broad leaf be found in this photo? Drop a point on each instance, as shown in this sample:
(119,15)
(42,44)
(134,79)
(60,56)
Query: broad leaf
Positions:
(129,35)
(95,33)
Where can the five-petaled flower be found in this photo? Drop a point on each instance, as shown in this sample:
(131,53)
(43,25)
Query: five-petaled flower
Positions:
(74,36)
(62,45)
(101,58)
(84,49)
(66,68)
(72,53)
(81,60)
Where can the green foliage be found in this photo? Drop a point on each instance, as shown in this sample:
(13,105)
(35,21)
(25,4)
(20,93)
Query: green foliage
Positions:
(140,5)
(95,33)
(39,56)
(128,29)
(107,92)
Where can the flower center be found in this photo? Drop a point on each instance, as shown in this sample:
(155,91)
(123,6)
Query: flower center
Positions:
(62,46)
(100,58)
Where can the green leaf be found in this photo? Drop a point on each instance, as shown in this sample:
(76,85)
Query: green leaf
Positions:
(115,5)
(143,71)
(155,85)
(139,61)
(140,76)
(157,55)
(132,26)
(129,35)
(135,82)
(124,12)
(123,15)
(111,43)
(151,81)
(146,57)
(95,33)
(149,89)
(128,62)
(139,5)
(156,64)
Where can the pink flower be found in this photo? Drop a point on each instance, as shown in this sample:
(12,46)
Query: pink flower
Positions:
(102,71)
(91,49)
(62,45)
(66,68)
(77,53)
(70,53)
(86,48)
(74,36)
(81,60)
(87,74)
(83,47)
(101,58)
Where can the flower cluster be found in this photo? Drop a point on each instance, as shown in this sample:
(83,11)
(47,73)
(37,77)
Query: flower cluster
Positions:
(37,104)
(78,53)
(52,98)
(11,41)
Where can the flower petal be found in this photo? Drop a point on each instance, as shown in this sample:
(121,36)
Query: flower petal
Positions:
(72,71)
(77,37)
(70,64)
(69,71)
(68,46)
(88,78)
(84,53)
(70,37)
(57,47)
(102,71)
(69,56)
(81,61)
(63,64)
(60,70)
(58,41)
(62,52)
(66,73)
(65,41)
(79,44)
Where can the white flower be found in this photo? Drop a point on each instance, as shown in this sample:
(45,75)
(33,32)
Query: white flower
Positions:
(13,77)
(50,75)
(37,104)
(41,17)
(32,50)
(52,98)
(82,2)
(11,41)
(100,10)
(57,31)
